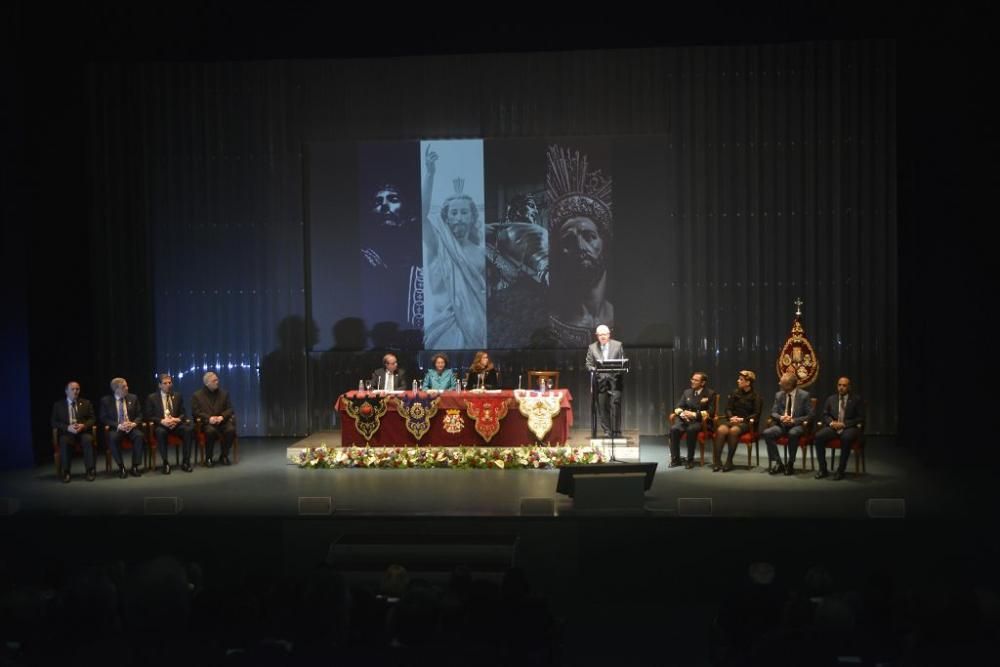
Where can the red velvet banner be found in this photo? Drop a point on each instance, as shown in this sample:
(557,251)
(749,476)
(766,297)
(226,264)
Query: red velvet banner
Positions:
(455,429)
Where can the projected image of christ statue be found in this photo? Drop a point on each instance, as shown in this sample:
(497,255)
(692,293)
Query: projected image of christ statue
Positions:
(454,253)
(580,237)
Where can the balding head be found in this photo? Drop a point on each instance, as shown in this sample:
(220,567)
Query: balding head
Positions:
(788,381)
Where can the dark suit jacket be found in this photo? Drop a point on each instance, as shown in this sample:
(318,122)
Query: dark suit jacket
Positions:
(205,404)
(491,381)
(854,410)
(615,351)
(109,410)
(398,383)
(747,405)
(704,403)
(801,407)
(154,407)
(84,414)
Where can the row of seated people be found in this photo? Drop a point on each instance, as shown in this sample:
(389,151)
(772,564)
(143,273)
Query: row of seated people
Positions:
(793,423)
(481,374)
(121,416)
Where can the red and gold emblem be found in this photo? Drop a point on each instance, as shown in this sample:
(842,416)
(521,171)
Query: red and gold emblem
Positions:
(486,411)
(453,422)
(366,410)
(797,355)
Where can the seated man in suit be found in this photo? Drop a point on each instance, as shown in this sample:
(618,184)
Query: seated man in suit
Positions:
(842,417)
(790,413)
(73,417)
(696,406)
(390,377)
(166,410)
(211,405)
(121,414)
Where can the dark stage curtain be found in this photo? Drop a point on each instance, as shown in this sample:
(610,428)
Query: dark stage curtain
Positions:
(782,184)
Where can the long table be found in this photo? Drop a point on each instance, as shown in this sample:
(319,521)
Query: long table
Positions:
(453,411)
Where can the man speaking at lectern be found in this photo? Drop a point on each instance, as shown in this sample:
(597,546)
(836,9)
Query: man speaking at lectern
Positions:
(607,384)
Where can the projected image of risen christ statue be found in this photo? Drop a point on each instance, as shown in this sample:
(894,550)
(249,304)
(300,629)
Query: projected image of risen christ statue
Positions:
(454,264)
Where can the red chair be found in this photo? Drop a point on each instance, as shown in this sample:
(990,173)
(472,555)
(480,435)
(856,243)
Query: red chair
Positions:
(173,440)
(858,447)
(706,434)
(535,378)
(750,439)
(807,436)
(125,444)
(199,438)
(76,448)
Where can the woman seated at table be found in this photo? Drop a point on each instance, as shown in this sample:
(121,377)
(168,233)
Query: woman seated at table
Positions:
(481,373)
(440,377)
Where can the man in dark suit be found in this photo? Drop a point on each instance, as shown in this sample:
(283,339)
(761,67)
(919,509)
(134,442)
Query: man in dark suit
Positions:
(608,385)
(693,410)
(121,415)
(166,410)
(211,405)
(790,412)
(73,418)
(843,416)
(390,377)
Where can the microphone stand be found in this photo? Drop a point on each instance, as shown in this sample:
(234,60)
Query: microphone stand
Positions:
(593,404)
(614,375)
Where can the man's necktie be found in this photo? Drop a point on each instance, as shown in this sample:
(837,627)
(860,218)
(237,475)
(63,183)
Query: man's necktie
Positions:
(121,411)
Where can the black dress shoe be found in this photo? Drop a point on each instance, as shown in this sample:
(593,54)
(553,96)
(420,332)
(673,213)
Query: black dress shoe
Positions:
(716,467)
(122,473)
(839,475)
(66,478)
(91,475)
(789,470)
(821,474)
(729,466)
(210,463)
(776,469)
(675,463)
(134,471)
(690,464)
(186,467)
(224,460)
(166,468)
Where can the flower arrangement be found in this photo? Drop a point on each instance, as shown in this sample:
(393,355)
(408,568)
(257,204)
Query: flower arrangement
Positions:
(500,458)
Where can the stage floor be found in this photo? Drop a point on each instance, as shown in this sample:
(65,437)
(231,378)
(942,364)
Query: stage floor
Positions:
(265,484)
